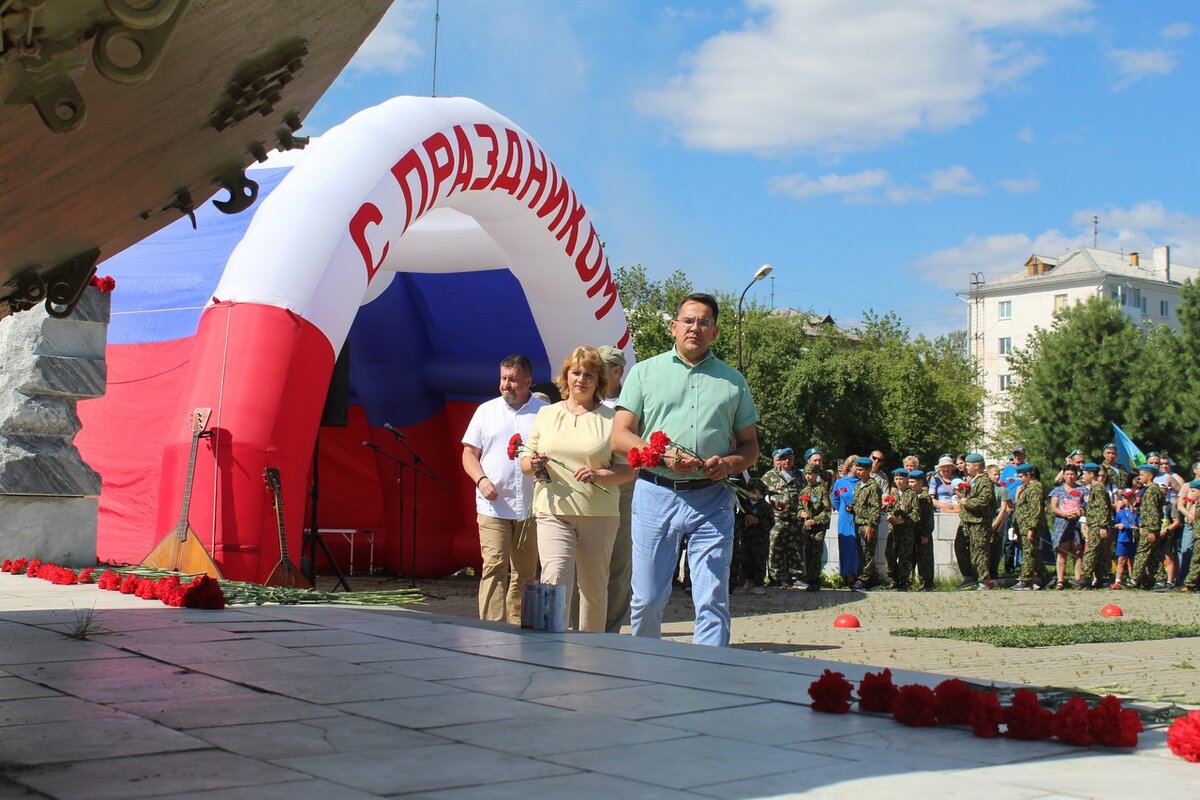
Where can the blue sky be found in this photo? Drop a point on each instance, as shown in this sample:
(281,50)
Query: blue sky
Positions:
(874,152)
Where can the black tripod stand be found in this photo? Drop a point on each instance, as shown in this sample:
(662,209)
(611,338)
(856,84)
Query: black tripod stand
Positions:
(419,468)
(312,536)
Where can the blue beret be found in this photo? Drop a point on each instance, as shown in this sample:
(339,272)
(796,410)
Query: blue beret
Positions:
(974,458)
(863,462)
(812,451)
(1025,469)
(1148,468)
(1074,453)
(1109,446)
(1091,466)
(899,472)
(783,451)
(1195,484)
(916,473)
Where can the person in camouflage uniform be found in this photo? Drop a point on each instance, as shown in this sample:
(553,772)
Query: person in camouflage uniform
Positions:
(978,510)
(1149,543)
(1030,522)
(1097,557)
(785,549)
(923,524)
(752,526)
(1114,474)
(900,511)
(815,513)
(868,509)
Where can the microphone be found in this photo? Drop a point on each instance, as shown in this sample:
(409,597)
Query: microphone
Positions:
(387,426)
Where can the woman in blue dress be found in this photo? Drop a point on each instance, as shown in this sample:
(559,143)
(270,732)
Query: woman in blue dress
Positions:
(842,498)
(1068,501)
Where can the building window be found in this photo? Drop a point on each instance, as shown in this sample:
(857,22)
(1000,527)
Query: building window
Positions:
(1005,382)
(1164,308)
(1135,298)
(1144,311)
(1060,302)
(1005,309)
(1005,345)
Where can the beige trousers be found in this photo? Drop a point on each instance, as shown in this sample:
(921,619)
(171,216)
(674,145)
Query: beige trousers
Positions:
(579,547)
(506,567)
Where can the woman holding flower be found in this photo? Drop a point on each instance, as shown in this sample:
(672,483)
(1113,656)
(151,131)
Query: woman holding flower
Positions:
(576,517)
(1067,505)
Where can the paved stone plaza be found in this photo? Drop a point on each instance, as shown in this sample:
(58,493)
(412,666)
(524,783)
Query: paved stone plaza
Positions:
(308,702)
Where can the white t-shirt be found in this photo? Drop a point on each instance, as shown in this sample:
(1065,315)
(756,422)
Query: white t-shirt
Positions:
(490,429)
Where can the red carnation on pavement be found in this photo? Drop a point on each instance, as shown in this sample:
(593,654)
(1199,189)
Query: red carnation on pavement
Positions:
(914,706)
(1183,737)
(1026,719)
(953,702)
(109,581)
(830,693)
(1071,722)
(986,714)
(876,692)
(1112,725)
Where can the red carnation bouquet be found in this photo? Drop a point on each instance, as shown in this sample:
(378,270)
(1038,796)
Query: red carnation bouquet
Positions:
(889,501)
(961,486)
(1183,737)
(652,456)
(517,448)
(105,284)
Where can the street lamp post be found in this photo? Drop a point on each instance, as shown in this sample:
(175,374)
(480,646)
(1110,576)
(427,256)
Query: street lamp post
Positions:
(761,273)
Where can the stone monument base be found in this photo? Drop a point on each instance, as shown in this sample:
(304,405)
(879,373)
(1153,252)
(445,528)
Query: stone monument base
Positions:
(58,529)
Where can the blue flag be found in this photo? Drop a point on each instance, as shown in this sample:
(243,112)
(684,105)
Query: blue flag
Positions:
(1128,453)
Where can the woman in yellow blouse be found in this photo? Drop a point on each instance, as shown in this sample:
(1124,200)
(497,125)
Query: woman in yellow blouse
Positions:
(577,520)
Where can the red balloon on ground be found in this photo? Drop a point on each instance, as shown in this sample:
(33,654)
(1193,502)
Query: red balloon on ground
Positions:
(846,621)
(1111,610)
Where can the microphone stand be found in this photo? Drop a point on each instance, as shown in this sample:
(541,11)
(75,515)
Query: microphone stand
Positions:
(419,468)
(399,484)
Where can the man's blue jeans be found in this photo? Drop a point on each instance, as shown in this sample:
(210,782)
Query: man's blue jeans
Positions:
(661,517)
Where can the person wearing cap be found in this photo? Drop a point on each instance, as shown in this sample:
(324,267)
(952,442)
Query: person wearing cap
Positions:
(815,513)
(785,549)
(977,515)
(1001,523)
(1067,506)
(1149,544)
(1172,537)
(1191,580)
(620,564)
(842,500)
(1115,475)
(814,455)
(900,509)
(1097,528)
(868,509)
(1076,459)
(1029,517)
(941,485)
(923,525)
(1010,479)
(704,405)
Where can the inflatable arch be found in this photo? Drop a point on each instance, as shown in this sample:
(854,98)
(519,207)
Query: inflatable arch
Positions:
(331,239)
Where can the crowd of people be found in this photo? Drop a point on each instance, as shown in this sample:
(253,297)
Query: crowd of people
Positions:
(1108,526)
(557,499)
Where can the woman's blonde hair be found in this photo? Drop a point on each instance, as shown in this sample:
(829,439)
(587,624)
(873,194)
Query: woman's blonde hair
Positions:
(587,358)
(848,463)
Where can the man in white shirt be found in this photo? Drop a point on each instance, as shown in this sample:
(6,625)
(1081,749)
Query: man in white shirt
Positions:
(503,495)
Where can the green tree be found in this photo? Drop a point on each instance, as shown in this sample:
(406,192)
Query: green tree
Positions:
(649,306)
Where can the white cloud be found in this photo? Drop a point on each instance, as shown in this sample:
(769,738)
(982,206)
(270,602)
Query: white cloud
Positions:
(831,76)
(391,47)
(1176,30)
(1140,227)
(876,185)
(1137,65)
(1025,135)
(1020,185)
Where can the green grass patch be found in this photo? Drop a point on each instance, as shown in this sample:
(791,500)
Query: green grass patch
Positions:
(1056,635)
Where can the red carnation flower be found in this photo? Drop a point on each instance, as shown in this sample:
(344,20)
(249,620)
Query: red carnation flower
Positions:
(876,692)
(888,500)
(105,284)
(32,569)
(659,441)
(6,566)
(109,581)
(915,706)
(953,702)
(635,458)
(147,590)
(841,490)
(1113,726)
(85,575)
(129,584)
(1026,719)
(1071,722)
(830,693)
(963,485)
(1183,737)
(1076,493)
(985,715)
(804,498)
(1189,500)
(651,457)
(514,446)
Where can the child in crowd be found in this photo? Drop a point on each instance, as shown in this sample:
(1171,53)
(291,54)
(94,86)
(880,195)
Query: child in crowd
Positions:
(1127,523)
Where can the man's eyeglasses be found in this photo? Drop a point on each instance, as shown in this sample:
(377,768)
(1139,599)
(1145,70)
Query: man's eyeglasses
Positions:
(876,458)
(701,323)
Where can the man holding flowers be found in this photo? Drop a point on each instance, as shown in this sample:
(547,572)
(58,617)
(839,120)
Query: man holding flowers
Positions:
(704,410)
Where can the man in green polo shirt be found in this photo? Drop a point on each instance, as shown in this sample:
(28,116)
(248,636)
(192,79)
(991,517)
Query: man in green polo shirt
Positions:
(704,406)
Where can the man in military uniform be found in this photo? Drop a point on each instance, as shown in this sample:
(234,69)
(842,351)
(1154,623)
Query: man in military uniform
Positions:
(785,550)
(1097,557)
(868,508)
(751,529)
(978,506)
(1030,523)
(900,508)
(923,525)
(1115,475)
(1149,544)
(815,512)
